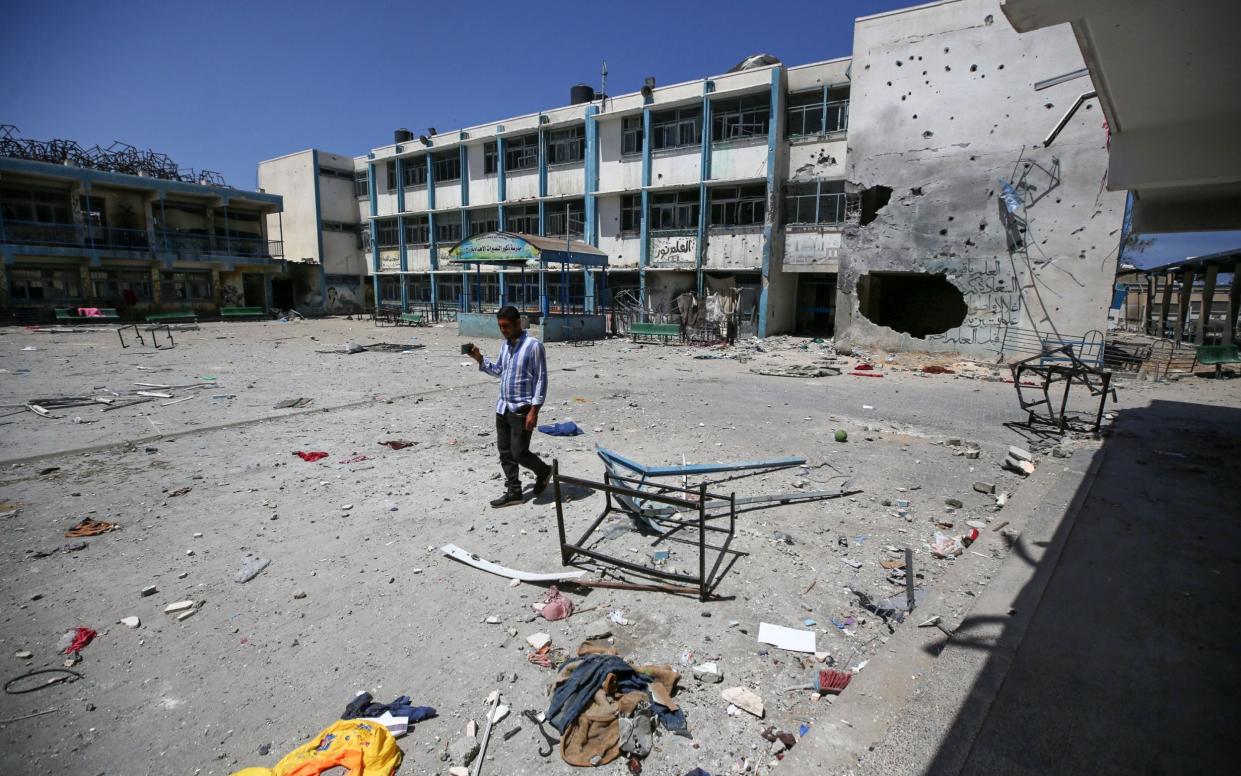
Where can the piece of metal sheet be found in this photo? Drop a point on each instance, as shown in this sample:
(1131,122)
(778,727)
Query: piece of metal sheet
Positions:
(470,559)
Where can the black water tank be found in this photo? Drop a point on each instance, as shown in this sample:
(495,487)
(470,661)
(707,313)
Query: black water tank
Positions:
(580,94)
(402,136)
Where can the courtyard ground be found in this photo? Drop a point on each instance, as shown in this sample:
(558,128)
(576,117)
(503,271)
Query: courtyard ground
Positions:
(358,595)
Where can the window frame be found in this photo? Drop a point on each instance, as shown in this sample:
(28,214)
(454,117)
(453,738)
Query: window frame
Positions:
(362,184)
(631,214)
(744,117)
(685,123)
(521,153)
(682,207)
(515,215)
(491,157)
(631,130)
(555,213)
(417,231)
(566,145)
(737,206)
(448,227)
(447,165)
(488,217)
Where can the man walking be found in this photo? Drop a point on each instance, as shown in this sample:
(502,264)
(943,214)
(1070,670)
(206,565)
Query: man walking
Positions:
(522,369)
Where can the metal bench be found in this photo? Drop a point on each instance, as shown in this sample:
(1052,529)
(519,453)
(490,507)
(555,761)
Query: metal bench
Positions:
(242,312)
(660,331)
(413,319)
(175,315)
(1217,356)
(65,315)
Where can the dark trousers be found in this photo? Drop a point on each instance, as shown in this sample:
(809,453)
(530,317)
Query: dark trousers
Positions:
(513,441)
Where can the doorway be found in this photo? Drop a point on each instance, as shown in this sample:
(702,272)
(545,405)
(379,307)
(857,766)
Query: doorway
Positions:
(816,304)
(282,294)
(254,290)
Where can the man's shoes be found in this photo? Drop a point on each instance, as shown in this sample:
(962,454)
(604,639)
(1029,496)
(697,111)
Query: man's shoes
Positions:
(508,499)
(540,482)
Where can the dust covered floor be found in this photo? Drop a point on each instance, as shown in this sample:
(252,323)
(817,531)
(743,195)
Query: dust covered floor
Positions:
(358,597)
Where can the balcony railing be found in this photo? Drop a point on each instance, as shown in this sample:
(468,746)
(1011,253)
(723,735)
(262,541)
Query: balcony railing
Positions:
(73,236)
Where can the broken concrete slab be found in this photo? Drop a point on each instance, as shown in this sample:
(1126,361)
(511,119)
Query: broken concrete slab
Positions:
(744,699)
(1020,453)
(984,487)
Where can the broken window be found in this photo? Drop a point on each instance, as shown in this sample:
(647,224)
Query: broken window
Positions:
(417,231)
(447,165)
(521,153)
(676,128)
(674,210)
(186,287)
(914,303)
(386,233)
(523,219)
(631,213)
(817,202)
(566,218)
(566,145)
(817,112)
(738,205)
(490,157)
(448,227)
(741,117)
(413,172)
(631,135)
(484,220)
(390,176)
(46,284)
(361,184)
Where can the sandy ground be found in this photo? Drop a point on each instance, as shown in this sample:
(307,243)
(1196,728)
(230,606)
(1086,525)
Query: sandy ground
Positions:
(262,664)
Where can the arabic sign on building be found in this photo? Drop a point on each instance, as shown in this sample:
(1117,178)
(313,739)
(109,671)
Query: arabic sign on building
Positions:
(495,247)
(673,251)
(811,248)
(389,262)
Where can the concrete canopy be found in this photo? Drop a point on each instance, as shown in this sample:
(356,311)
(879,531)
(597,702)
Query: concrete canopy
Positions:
(1168,83)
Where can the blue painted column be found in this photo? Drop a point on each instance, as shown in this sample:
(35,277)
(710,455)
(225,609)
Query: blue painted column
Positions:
(773,138)
(373,190)
(827,88)
(644,255)
(400,232)
(465,177)
(704,168)
(314,162)
(501,183)
(591,226)
(544,303)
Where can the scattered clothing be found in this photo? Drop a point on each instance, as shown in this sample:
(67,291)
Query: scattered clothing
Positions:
(90,312)
(81,637)
(567,428)
(311,456)
(595,691)
(89,527)
(362,748)
(936,369)
(555,605)
(364,705)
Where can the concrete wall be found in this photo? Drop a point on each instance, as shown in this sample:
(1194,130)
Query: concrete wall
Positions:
(292,177)
(942,106)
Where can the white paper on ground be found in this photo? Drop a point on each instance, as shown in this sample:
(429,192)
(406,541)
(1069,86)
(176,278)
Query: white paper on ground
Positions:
(456,553)
(786,638)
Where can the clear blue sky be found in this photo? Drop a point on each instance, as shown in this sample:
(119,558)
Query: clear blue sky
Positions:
(223,85)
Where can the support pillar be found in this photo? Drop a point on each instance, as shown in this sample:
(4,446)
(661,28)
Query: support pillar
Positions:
(1204,312)
(267,292)
(1234,307)
(1182,313)
(1149,307)
(1164,306)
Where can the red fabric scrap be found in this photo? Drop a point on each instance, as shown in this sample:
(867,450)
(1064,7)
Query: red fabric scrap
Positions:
(936,369)
(81,637)
(863,367)
(312,456)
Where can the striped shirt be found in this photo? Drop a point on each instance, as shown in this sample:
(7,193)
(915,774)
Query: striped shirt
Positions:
(522,369)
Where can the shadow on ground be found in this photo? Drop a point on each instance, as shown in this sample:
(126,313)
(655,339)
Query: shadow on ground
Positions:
(1129,662)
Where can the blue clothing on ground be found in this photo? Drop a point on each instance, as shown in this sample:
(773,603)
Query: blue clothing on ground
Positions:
(567,428)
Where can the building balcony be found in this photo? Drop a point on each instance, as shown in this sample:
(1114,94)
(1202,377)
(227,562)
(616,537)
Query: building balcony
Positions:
(70,237)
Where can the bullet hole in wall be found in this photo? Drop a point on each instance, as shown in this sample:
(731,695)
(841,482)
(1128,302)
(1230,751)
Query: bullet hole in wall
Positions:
(916,191)
(973,68)
(988,19)
(982,226)
(926,133)
(872,201)
(899,63)
(952,218)
(972,157)
(943,232)
(947,68)
(914,303)
(1001,67)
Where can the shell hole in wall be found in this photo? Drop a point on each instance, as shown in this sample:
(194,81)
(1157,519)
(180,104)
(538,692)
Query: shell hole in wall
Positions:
(914,303)
(872,201)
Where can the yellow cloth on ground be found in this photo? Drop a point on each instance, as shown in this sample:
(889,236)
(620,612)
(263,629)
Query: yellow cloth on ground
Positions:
(362,748)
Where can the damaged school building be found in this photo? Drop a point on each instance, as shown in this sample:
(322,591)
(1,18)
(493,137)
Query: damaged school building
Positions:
(128,232)
(907,197)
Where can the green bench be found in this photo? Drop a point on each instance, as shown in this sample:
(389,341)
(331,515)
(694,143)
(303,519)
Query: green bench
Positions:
(1217,356)
(661,331)
(413,319)
(175,315)
(66,315)
(242,312)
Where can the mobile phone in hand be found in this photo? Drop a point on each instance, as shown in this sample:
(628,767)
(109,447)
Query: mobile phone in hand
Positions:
(467,348)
